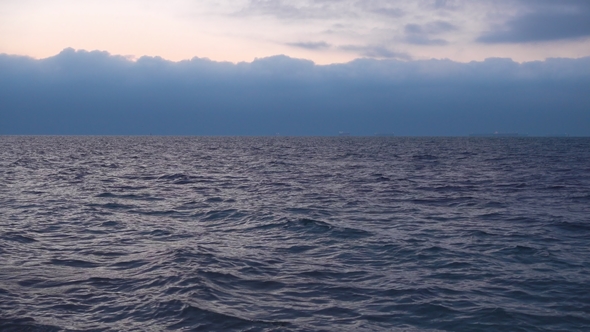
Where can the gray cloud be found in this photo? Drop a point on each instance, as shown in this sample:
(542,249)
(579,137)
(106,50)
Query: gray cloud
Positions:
(447,4)
(311,45)
(541,21)
(438,27)
(78,92)
(375,51)
(421,34)
(380,7)
(309,9)
(440,3)
(323,9)
(297,10)
(422,40)
(272,7)
(383,21)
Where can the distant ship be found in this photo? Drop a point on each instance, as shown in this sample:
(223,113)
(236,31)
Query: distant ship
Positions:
(343,133)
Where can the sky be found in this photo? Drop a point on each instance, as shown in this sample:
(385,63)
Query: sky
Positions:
(324,31)
(302,67)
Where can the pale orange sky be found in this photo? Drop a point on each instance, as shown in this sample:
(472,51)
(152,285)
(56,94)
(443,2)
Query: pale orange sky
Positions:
(325,31)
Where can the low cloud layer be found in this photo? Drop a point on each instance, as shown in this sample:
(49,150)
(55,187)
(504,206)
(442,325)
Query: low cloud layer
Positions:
(79,92)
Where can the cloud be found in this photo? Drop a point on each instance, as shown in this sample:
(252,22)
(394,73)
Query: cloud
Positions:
(431,28)
(311,45)
(355,9)
(421,34)
(375,51)
(524,21)
(422,40)
(296,10)
(244,29)
(79,92)
(322,9)
(543,21)
(440,3)
(272,7)
(379,7)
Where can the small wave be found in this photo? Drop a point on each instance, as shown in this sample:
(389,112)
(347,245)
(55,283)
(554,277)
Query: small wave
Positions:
(25,325)
(18,238)
(424,157)
(580,197)
(216,215)
(126,265)
(112,206)
(196,318)
(160,232)
(111,223)
(73,263)
(144,197)
(157,212)
(319,227)
(314,224)
(573,226)
(179,178)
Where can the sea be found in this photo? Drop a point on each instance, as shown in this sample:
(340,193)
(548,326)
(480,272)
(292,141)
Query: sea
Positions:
(153,233)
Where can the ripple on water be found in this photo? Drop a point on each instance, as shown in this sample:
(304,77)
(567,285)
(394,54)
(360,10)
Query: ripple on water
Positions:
(294,234)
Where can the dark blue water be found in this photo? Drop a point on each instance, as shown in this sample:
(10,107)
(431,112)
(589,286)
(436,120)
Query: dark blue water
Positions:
(294,234)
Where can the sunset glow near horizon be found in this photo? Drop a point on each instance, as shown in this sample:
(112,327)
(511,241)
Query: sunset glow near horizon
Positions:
(324,31)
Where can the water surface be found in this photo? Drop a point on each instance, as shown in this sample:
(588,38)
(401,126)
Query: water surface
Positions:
(294,234)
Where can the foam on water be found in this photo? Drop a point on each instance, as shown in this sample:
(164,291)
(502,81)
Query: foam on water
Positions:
(267,234)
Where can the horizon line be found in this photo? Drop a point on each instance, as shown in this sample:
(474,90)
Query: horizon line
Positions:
(303,136)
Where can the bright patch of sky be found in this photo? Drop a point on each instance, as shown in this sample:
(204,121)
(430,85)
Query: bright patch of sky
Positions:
(325,31)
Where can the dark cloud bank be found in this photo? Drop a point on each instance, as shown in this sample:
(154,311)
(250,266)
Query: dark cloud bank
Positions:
(79,92)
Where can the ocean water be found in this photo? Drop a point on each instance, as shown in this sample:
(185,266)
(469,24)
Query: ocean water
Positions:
(294,234)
